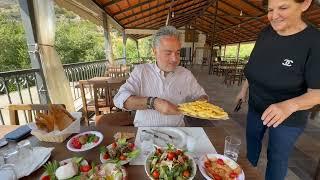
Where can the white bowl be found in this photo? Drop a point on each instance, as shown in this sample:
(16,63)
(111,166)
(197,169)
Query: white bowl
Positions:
(147,165)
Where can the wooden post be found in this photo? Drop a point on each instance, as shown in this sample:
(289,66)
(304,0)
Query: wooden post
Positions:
(212,40)
(107,39)
(124,42)
(238,51)
(137,45)
(28,20)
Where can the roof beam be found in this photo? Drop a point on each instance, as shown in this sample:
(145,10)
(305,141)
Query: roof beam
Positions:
(177,15)
(135,6)
(203,9)
(161,10)
(110,3)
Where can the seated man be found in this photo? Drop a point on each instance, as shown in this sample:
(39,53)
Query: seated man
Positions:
(154,90)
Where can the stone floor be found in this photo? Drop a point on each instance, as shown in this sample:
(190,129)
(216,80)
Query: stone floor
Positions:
(306,154)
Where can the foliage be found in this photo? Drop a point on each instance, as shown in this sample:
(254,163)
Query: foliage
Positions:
(244,53)
(13,54)
(78,42)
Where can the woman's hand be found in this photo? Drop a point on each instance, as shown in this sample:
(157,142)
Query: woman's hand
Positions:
(275,114)
(166,107)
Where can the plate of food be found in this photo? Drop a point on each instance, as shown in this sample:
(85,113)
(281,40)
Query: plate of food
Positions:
(203,110)
(79,168)
(121,152)
(170,163)
(84,141)
(217,166)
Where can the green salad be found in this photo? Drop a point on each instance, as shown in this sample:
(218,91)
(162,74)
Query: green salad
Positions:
(170,164)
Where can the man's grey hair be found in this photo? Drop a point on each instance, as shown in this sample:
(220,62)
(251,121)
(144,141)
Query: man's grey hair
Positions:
(164,31)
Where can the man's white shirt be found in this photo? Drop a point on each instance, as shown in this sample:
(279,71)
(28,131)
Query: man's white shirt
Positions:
(147,80)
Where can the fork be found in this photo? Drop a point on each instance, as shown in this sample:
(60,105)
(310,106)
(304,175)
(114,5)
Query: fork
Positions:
(171,137)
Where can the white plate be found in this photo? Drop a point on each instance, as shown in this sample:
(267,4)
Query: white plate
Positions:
(224,158)
(69,143)
(179,137)
(147,166)
(121,161)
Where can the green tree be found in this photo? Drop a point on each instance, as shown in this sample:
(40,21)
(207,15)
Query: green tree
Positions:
(13,54)
(78,41)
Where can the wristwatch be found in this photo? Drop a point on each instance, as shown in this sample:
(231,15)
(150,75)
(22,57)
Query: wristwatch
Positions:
(149,103)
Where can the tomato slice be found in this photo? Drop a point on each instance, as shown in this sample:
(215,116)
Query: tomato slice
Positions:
(220,161)
(233,175)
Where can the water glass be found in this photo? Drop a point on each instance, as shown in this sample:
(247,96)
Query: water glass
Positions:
(191,143)
(146,141)
(8,172)
(25,149)
(232,147)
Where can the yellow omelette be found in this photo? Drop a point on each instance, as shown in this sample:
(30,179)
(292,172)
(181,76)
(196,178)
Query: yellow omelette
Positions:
(203,110)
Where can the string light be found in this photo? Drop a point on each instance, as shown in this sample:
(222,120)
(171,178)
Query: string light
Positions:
(172,14)
(241,13)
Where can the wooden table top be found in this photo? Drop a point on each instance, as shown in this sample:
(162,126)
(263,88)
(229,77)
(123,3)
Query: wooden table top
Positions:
(5,129)
(216,136)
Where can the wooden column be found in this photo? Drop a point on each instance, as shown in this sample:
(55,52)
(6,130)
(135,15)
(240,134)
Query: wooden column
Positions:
(107,39)
(212,40)
(124,41)
(28,21)
(137,45)
(238,51)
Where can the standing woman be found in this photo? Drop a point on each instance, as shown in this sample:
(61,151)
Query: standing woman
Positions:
(283,75)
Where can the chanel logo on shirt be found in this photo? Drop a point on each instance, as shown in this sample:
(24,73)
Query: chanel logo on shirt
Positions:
(287,62)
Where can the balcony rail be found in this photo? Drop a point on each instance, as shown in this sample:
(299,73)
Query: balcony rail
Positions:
(19,87)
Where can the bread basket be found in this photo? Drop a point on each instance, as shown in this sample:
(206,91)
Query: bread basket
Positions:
(58,136)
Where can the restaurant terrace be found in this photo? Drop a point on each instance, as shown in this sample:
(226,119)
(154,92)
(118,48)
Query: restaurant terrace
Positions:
(207,27)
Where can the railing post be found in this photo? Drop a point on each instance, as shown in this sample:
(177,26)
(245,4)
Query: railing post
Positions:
(27,17)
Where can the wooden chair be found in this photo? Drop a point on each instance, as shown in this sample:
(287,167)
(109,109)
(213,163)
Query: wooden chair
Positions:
(31,110)
(114,119)
(92,102)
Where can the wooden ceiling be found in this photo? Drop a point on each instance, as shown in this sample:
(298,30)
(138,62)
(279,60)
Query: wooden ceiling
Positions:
(233,20)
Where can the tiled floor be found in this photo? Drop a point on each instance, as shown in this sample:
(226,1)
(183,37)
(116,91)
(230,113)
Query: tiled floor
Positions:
(304,158)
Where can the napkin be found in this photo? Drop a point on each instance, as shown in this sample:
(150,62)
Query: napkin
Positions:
(26,165)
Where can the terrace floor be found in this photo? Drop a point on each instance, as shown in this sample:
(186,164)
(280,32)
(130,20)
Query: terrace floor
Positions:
(305,156)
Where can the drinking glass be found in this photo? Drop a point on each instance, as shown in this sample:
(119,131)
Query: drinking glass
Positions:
(25,150)
(7,172)
(232,147)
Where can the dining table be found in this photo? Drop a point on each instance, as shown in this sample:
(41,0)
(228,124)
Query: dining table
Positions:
(215,134)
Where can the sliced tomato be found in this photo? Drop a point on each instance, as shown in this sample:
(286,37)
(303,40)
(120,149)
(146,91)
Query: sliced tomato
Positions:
(45,177)
(114,145)
(186,174)
(76,143)
(156,174)
(220,161)
(85,168)
(106,156)
(171,156)
(131,145)
(123,157)
(233,175)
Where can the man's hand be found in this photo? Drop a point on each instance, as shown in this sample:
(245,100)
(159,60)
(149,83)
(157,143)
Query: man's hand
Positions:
(275,114)
(166,107)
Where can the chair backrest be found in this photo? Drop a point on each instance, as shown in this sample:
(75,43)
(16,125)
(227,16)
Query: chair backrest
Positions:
(114,119)
(29,111)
